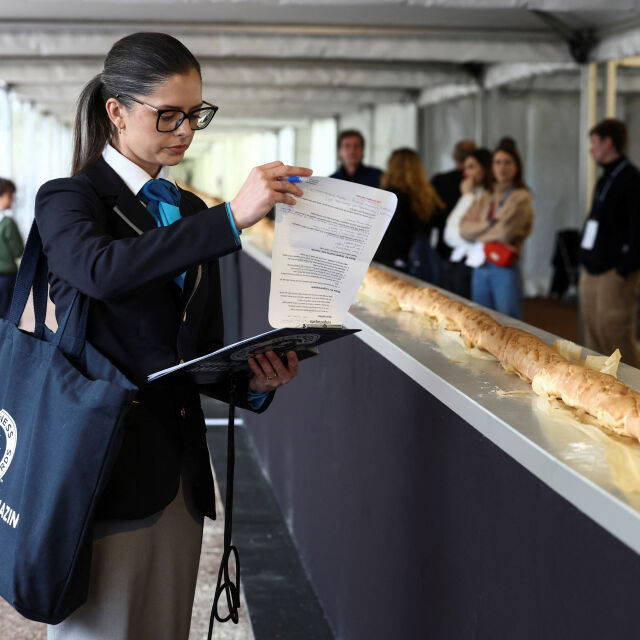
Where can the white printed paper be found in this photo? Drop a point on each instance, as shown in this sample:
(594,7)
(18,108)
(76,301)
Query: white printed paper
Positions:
(589,235)
(322,248)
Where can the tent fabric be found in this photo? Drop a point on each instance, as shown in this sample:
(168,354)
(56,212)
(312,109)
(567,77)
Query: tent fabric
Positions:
(420,73)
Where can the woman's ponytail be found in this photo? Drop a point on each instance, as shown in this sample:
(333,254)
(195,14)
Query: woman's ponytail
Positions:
(92,128)
(135,65)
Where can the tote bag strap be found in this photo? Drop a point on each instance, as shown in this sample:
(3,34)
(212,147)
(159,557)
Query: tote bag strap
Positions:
(32,273)
(72,330)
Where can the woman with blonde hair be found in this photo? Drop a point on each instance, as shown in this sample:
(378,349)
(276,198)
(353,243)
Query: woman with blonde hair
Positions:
(406,243)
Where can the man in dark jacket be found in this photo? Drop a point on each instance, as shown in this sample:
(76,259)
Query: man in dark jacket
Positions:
(447,185)
(610,248)
(351,152)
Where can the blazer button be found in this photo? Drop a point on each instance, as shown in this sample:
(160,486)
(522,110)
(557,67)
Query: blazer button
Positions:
(184,317)
(183,413)
(181,361)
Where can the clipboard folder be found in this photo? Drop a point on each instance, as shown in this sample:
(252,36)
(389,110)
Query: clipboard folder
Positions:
(232,361)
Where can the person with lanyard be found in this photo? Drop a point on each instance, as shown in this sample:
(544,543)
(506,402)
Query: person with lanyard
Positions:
(146,253)
(500,220)
(609,282)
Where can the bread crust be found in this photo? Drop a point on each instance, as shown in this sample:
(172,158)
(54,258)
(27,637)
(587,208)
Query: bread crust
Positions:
(611,402)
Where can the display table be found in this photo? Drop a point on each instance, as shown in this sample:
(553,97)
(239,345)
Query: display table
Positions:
(426,505)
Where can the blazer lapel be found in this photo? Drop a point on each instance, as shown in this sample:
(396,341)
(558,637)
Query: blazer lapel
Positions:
(128,204)
(124,203)
(116,194)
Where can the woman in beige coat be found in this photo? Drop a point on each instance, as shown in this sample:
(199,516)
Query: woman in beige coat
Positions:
(501,220)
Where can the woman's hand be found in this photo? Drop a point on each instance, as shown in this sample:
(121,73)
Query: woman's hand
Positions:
(269,372)
(262,190)
(466,186)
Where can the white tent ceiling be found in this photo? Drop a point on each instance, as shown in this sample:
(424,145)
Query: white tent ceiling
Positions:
(278,60)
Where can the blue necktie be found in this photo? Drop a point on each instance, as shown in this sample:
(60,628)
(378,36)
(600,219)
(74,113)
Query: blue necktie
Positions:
(163,203)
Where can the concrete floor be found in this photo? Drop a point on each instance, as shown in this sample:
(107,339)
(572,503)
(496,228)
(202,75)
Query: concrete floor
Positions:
(556,316)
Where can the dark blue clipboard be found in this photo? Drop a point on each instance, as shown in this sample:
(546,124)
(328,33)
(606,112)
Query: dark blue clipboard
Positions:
(232,360)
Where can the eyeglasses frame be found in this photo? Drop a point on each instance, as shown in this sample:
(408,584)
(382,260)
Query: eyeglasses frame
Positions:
(185,116)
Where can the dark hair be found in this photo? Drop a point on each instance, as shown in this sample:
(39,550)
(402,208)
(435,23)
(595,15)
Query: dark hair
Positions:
(6,186)
(462,149)
(483,157)
(508,145)
(349,133)
(614,129)
(135,65)
(507,141)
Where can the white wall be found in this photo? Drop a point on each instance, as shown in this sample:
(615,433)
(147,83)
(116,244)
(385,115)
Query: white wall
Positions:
(287,145)
(443,125)
(629,111)
(323,146)
(394,126)
(303,146)
(34,148)
(220,166)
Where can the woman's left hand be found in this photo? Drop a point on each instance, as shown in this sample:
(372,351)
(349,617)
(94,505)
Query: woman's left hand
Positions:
(269,372)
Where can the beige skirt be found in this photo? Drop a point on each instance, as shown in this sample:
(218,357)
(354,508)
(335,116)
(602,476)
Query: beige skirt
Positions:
(143,578)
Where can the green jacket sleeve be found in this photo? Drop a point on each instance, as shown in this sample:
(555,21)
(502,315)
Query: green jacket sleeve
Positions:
(14,239)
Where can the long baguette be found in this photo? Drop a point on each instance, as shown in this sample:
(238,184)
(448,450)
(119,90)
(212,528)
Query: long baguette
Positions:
(611,402)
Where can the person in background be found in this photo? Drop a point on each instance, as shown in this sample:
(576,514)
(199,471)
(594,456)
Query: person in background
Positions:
(609,282)
(10,246)
(478,180)
(501,220)
(405,244)
(351,152)
(447,185)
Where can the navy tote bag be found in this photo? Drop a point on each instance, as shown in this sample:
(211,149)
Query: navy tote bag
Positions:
(62,406)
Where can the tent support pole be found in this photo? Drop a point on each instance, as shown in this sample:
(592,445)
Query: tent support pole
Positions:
(480,129)
(588,96)
(612,87)
(6,133)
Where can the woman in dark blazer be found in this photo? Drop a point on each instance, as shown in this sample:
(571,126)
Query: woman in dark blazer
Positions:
(145,252)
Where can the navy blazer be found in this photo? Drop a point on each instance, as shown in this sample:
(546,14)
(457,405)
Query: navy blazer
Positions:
(141,320)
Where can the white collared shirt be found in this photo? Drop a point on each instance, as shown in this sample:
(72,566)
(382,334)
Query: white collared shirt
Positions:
(132,175)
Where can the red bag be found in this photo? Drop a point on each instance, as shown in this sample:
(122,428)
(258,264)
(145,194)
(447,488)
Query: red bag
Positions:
(500,254)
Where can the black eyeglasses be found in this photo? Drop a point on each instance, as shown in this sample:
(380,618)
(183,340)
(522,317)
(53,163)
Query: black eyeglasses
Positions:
(170,119)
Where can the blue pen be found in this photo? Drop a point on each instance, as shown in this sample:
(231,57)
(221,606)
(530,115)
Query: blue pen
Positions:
(293,179)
